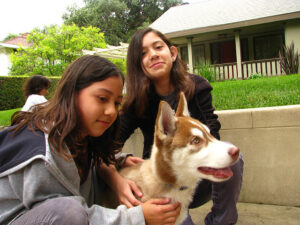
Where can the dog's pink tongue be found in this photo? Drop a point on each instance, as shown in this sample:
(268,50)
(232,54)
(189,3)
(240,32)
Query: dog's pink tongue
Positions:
(218,173)
(223,173)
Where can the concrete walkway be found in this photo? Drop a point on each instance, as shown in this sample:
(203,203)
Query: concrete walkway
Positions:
(255,214)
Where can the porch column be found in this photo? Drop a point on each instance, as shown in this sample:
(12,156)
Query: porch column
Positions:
(190,55)
(238,53)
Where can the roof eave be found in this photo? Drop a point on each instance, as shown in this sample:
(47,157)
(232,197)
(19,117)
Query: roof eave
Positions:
(191,32)
(5,45)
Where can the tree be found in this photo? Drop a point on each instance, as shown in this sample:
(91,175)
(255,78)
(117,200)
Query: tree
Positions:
(108,15)
(54,48)
(147,11)
(118,19)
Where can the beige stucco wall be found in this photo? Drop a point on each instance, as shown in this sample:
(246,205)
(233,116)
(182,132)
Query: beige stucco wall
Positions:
(269,139)
(4,61)
(292,33)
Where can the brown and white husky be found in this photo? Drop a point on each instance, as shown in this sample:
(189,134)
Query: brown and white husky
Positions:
(183,153)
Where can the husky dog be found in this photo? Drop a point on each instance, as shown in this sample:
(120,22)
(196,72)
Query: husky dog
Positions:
(184,152)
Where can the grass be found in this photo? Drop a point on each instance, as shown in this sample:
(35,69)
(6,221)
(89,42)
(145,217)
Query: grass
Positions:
(5,116)
(239,94)
(255,93)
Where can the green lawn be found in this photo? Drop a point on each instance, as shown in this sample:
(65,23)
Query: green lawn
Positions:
(240,94)
(262,92)
(5,116)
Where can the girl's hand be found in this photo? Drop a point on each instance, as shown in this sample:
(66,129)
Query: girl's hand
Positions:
(124,188)
(159,212)
(131,161)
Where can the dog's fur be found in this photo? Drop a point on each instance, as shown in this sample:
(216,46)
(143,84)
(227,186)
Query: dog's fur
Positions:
(183,153)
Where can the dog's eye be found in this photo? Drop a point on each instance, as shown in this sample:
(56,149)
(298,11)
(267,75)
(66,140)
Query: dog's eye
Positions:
(196,140)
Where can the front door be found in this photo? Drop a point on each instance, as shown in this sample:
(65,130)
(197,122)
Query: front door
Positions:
(227,52)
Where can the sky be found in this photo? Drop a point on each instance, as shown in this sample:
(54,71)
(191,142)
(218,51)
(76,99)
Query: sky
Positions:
(21,16)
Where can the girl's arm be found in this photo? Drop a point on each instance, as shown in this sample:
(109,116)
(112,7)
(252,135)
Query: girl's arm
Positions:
(128,124)
(124,188)
(156,211)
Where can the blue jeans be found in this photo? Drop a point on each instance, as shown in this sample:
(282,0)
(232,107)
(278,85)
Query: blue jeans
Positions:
(56,211)
(224,196)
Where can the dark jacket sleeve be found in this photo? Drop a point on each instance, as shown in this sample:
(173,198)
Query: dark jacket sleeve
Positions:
(203,103)
(128,123)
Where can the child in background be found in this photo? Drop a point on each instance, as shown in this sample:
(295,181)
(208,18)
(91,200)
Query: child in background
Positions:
(51,159)
(35,89)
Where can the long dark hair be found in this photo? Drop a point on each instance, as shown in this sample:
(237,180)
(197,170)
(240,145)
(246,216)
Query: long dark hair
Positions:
(59,117)
(138,84)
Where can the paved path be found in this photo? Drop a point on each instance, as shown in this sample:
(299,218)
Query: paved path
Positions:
(255,214)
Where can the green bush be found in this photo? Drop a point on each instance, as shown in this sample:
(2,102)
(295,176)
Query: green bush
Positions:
(255,76)
(206,71)
(11,94)
(289,59)
(120,63)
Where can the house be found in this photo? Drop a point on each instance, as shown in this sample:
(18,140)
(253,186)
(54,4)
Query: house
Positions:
(6,48)
(237,37)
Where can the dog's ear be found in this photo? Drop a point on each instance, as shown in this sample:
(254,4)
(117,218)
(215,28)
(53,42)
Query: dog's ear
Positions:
(165,121)
(182,108)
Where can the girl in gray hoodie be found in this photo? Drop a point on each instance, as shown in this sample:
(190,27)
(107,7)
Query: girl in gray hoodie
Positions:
(51,162)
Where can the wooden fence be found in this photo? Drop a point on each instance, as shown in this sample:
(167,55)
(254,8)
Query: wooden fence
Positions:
(266,67)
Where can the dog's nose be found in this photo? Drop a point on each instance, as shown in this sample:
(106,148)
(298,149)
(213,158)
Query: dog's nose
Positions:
(234,152)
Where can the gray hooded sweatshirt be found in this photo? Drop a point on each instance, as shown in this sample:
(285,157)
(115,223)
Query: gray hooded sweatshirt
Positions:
(30,174)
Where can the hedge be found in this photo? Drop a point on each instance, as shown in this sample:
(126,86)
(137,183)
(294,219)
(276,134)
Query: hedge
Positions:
(11,94)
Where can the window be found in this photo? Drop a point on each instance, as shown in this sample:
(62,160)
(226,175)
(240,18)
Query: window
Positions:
(198,54)
(267,47)
(215,53)
(184,54)
(244,49)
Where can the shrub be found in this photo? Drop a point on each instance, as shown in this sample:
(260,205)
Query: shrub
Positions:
(11,95)
(120,63)
(206,71)
(289,59)
(255,76)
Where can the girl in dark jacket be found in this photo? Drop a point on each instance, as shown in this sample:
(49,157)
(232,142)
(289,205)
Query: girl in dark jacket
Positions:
(155,73)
